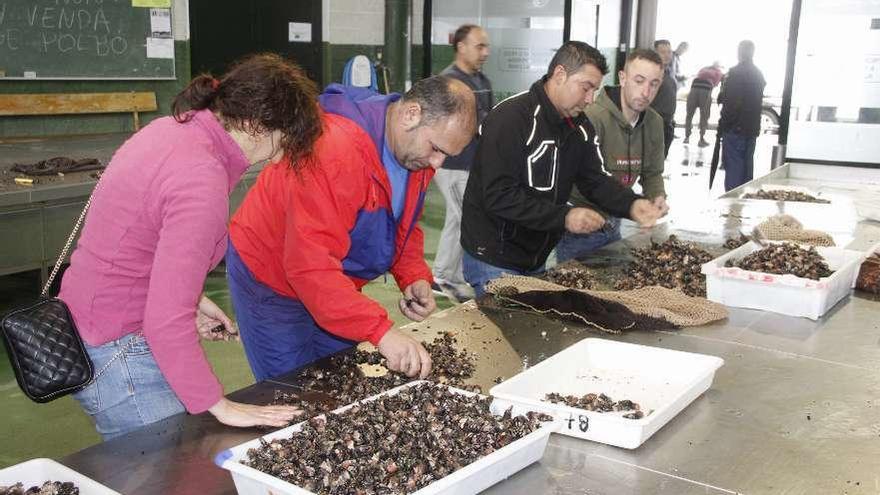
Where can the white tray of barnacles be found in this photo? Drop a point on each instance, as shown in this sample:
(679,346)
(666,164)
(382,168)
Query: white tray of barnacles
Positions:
(655,384)
(472,478)
(784,294)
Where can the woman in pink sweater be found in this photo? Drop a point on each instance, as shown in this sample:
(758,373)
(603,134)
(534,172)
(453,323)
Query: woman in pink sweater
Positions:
(157,226)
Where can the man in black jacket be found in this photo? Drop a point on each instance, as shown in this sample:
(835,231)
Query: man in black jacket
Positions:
(533,148)
(741,99)
(665,101)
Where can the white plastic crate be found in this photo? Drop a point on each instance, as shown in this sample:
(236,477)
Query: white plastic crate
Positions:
(781,187)
(468,480)
(35,472)
(661,381)
(785,294)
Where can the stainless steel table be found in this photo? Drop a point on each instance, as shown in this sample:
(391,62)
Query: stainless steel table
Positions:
(794,410)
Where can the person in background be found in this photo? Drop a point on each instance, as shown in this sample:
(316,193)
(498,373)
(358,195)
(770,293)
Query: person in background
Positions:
(700,97)
(533,148)
(471,46)
(630,136)
(741,99)
(157,226)
(675,68)
(664,103)
(309,236)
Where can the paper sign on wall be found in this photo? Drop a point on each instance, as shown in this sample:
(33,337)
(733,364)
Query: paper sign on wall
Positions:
(160,48)
(166,4)
(299,32)
(160,23)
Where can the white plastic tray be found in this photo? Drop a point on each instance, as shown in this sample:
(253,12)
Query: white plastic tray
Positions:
(470,479)
(661,381)
(785,294)
(782,187)
(35,472)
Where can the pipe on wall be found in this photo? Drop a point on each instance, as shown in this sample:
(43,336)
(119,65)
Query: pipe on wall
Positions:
(397,39)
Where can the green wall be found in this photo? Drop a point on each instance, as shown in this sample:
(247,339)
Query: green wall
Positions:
(54,125)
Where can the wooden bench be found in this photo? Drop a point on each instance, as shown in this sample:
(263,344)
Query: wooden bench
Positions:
(78,103)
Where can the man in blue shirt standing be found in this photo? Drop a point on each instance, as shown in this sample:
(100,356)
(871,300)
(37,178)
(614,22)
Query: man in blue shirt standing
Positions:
(471,44)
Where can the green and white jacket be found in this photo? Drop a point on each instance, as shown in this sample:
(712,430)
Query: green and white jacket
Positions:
(629,153)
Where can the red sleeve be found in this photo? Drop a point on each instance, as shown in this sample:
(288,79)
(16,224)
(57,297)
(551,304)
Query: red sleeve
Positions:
(322,206)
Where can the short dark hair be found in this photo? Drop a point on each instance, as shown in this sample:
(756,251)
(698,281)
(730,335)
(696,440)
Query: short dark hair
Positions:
(573,55)
(438,100)
(657,43)
(745,51)
(461,33)
(260,93)
(644,54)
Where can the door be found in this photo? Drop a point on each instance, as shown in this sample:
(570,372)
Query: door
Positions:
(225,30)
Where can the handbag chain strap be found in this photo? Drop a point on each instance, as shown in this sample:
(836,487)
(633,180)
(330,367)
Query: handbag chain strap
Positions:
(61,257)
(116,356)
(64,251)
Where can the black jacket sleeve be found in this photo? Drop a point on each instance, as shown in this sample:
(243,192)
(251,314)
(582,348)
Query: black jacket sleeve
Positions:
(502,156)
(600,188)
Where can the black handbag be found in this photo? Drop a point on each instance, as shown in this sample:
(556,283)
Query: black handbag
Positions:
(46,352)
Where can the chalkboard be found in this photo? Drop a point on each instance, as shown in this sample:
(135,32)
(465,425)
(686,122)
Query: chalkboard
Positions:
(86,39)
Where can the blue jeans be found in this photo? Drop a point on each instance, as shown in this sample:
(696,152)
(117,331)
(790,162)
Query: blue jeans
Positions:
(738,159)
(131,393)
(574,245)
(278,333)
(478,272)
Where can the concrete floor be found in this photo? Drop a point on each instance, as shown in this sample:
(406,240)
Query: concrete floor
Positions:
(60,427)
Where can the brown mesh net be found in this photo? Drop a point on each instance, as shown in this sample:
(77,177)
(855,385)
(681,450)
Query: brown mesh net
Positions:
(788,228)
(660,303)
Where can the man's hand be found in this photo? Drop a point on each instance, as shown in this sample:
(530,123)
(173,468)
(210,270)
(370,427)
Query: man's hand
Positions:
(402,353)
(583,221)
(418,301)
(660,202)
(209,316)
(644,212)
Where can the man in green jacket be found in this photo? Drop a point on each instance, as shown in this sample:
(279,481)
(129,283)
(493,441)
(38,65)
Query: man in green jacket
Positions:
(630,135)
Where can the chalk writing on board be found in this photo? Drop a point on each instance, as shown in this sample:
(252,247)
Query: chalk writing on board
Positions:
(63,26)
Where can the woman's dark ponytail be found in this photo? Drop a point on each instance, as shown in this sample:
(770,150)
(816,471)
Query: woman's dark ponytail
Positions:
(199,94)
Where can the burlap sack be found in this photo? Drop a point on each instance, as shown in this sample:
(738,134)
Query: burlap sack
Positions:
(788,228)
(657,302)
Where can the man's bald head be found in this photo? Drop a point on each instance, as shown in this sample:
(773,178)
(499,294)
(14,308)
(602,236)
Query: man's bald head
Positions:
(443,97)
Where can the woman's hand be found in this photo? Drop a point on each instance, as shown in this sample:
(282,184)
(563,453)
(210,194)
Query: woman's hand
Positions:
(244,415)
(210,316)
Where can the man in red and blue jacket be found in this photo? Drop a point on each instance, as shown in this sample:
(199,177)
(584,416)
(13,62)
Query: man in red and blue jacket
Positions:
(309,235)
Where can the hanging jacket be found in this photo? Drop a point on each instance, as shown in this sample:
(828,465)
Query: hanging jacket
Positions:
(528,159)
(629,153)
(320,232)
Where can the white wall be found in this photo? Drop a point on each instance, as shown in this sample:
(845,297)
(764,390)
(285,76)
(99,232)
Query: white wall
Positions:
(354,22)
(180,19)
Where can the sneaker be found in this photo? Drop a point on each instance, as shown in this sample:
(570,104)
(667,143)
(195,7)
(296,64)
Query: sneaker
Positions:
(687,139)
(703,143)
(437,290)
(455,292)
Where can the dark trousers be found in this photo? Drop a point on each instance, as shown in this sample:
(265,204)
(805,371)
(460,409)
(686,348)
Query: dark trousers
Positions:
(698,98)
(668,134)
(737,158)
